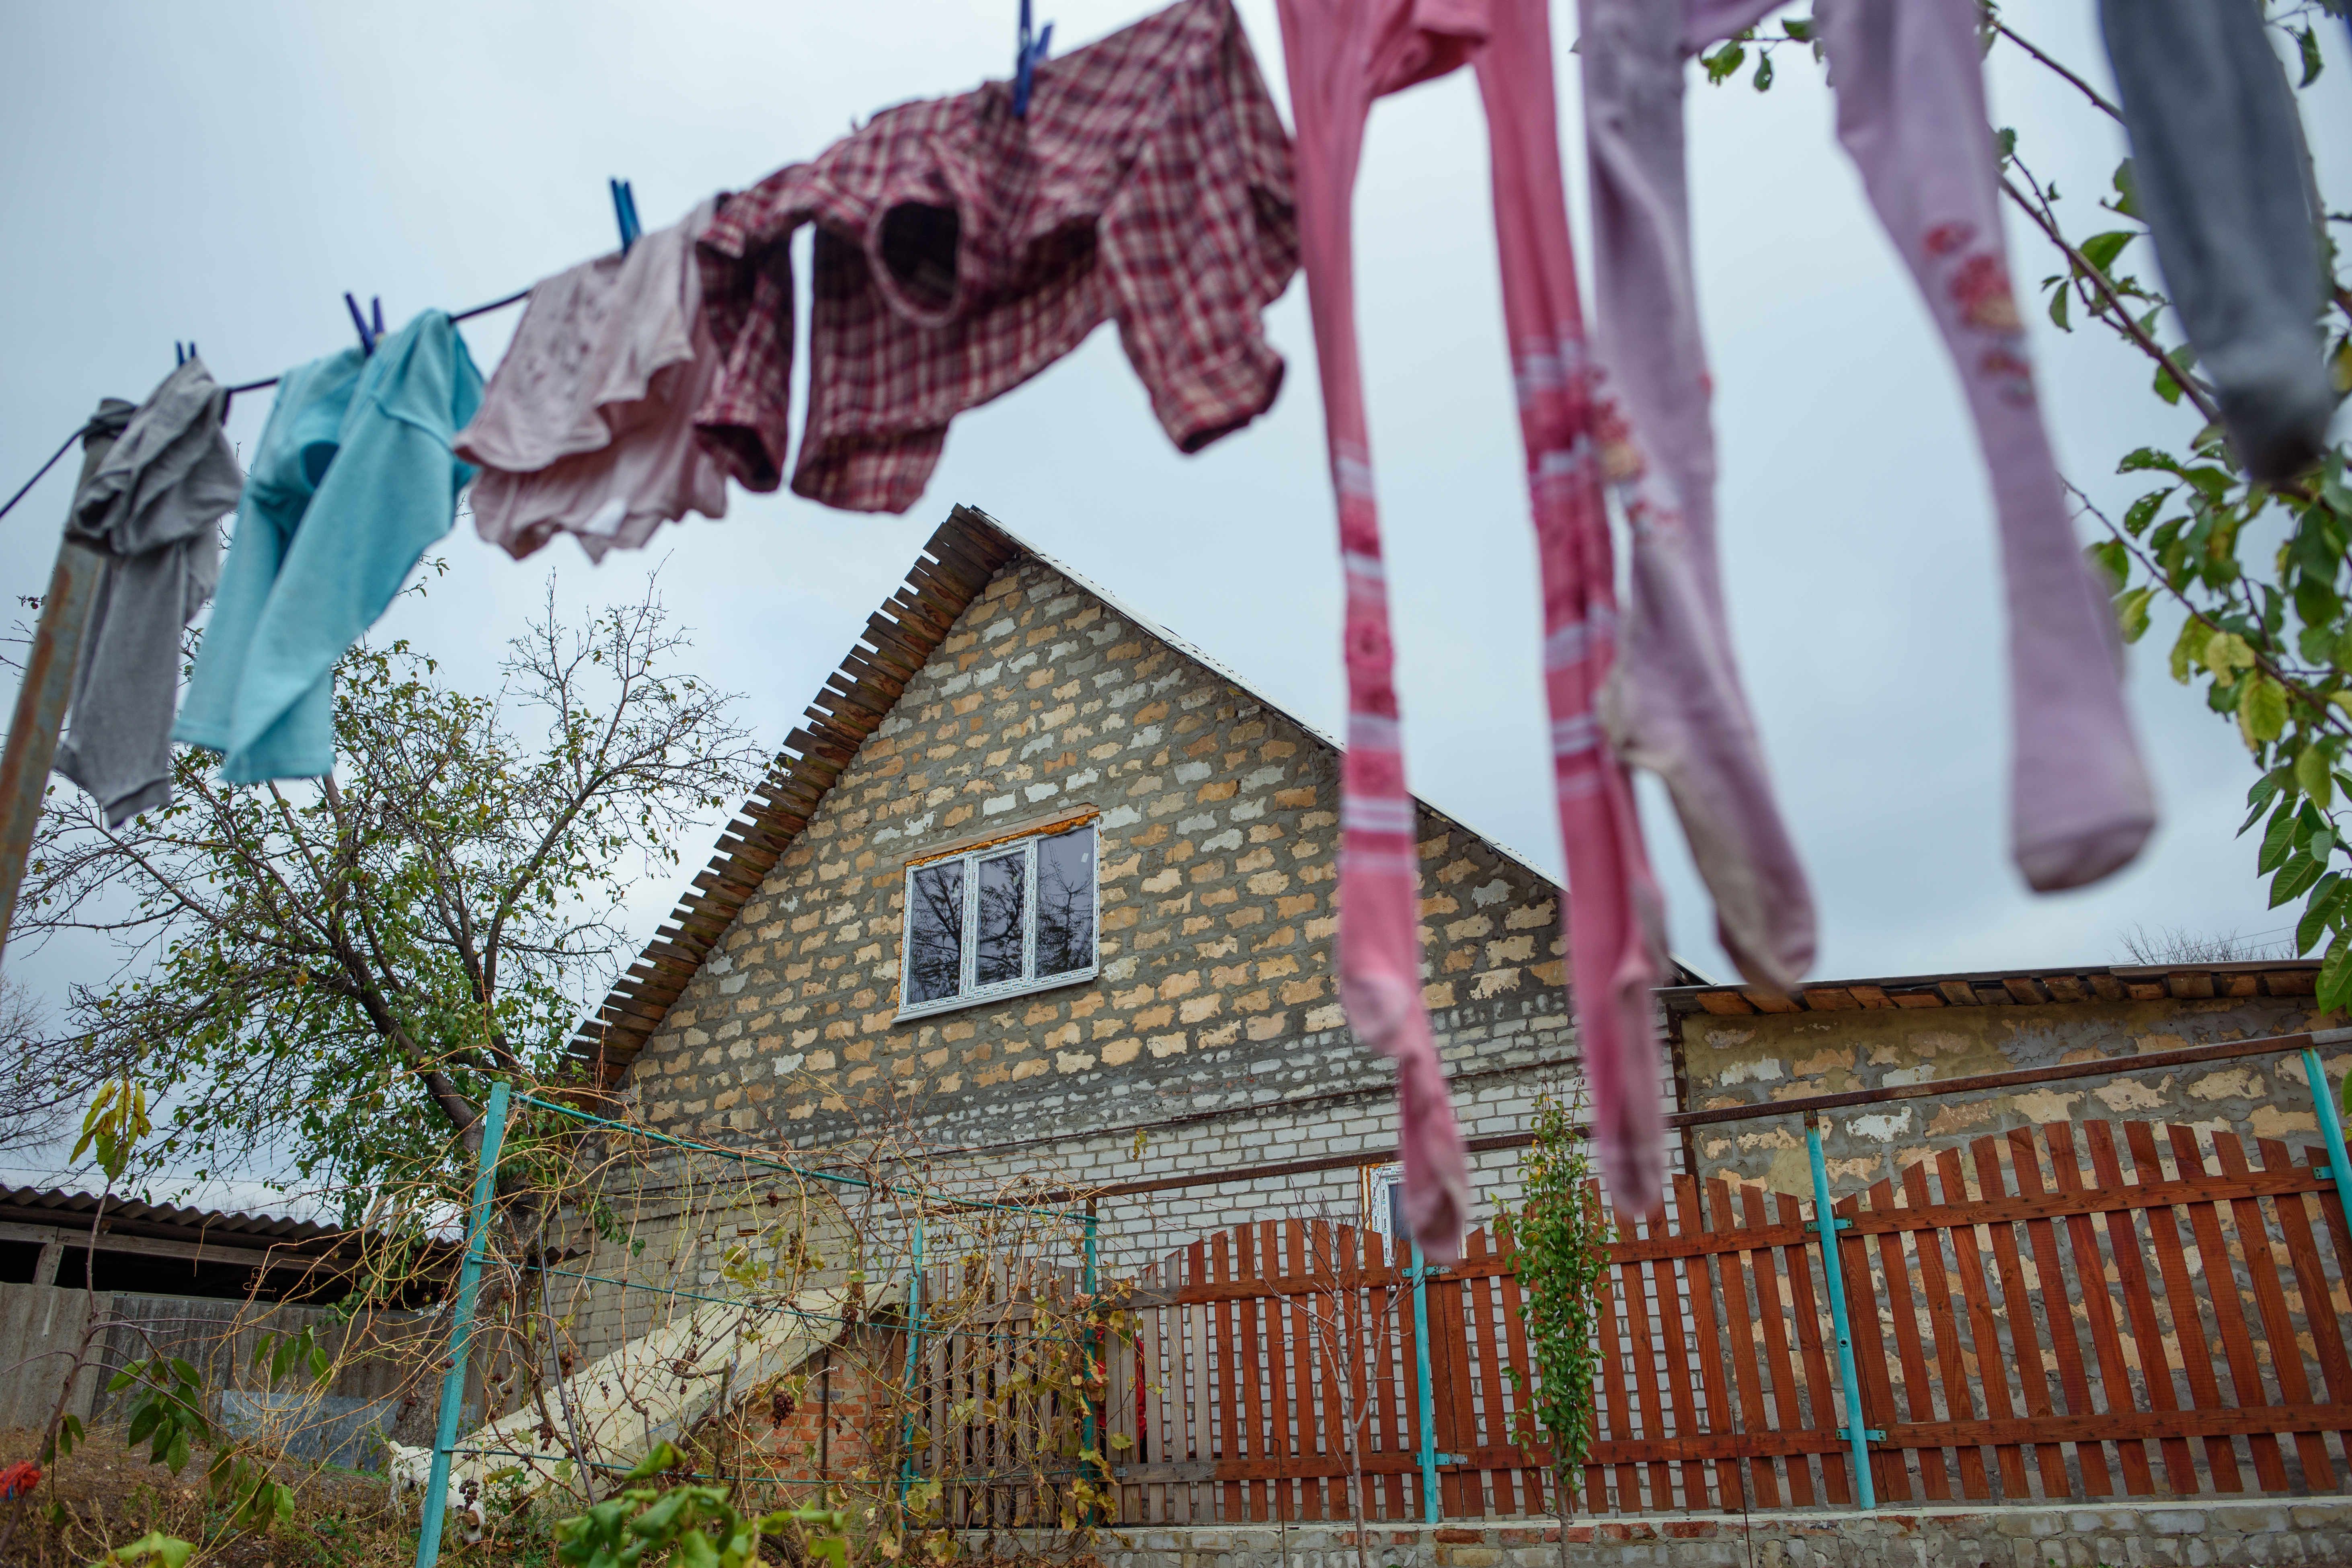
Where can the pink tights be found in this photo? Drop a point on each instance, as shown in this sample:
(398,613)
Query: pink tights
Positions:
(1341,55)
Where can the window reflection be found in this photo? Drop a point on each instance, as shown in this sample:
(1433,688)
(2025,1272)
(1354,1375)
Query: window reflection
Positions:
(1066,902)
(997,953)
(935,933)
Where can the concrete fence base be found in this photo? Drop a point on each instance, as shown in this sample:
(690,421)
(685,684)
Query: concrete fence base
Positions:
(2194,1534)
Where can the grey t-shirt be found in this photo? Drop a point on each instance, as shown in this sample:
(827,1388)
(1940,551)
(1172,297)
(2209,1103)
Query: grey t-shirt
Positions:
(152,505)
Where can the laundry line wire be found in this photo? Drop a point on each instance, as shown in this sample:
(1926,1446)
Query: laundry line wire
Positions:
(66,444)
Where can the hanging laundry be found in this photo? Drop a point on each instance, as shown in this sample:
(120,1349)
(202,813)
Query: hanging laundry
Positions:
(1673,703)
(1342,55)
(352,479)
(1909,84)
(960,250)
(2219,167)
(587,426)
(152,505)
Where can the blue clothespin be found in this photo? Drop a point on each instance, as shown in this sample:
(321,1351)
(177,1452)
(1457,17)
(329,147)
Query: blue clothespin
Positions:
(182,352)
(625,211)
(367,338)
(1025,56)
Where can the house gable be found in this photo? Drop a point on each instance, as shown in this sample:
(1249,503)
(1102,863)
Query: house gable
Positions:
(1217,858)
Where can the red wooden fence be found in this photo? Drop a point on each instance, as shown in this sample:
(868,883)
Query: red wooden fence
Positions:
(2097,1310)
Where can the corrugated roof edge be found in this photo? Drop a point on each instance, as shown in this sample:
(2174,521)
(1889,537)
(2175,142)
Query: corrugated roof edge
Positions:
(169,1222)
(2009,989)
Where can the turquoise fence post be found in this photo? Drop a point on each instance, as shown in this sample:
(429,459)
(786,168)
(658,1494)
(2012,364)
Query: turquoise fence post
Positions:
(1429,1505)
(1092,1441)
(1828,1224)
(2331,1126)
(461,1324)
(914,1353)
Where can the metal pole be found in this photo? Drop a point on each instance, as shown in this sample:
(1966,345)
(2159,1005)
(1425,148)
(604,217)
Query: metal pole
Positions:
(1828,1225)
(2331,1126)
(1429,1504)
(461,1322)
(914,1353)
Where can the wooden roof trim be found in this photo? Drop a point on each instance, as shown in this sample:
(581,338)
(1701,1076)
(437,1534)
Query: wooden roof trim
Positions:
(961,557)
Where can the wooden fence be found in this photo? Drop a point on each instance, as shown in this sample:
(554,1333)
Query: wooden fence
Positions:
(384,1378)
(2093,1311)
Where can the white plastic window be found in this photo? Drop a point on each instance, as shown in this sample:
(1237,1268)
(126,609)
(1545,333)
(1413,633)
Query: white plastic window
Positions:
(1384,1202)
(999,921)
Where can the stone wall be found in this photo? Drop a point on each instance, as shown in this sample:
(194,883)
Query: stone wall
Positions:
(1217,861)
(1768,1056)
(2199,1533)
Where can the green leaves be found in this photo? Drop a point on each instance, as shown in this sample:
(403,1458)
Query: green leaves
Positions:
(1562,1234)
(2225,653)
(284,1352)
(2335,988)
(2266,630)
(2101,249)
(2312,775)
(2113,561)
(154,1550)
(168,1411)
(2262,710)
(115,1122)
(689,1526)
(2321,910)
(2131,613)
(2188,648)
(2127,198)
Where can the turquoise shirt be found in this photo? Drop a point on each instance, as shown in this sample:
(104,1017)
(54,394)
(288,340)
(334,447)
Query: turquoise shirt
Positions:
(353,481)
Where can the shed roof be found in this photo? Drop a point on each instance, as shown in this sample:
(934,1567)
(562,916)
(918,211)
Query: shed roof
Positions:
(2009,989)
(75,1211)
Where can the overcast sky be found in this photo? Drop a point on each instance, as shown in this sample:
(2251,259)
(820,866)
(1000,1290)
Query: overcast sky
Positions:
(224,172)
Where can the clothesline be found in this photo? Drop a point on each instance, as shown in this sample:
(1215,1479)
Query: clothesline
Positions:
(1163,141)
(516,298)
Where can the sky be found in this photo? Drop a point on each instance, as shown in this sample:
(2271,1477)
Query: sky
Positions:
(224,172)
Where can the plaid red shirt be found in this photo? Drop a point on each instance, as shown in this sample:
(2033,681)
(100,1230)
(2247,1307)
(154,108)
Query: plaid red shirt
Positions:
(961,251)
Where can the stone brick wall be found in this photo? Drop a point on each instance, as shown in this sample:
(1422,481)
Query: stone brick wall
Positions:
(1768,1056)
(1217,858)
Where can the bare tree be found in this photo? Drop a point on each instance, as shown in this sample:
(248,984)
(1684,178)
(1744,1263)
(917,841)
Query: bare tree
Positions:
(330,973)
(2178,944)
(1349,1318)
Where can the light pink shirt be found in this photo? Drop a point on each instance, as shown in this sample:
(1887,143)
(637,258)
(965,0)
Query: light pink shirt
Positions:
(587,427)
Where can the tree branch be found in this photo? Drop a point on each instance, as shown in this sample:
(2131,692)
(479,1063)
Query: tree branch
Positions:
(2087,90)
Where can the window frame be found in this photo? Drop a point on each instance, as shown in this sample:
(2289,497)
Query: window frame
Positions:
(971,859)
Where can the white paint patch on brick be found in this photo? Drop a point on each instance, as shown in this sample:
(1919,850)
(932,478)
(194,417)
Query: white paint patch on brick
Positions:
(1882,1128)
